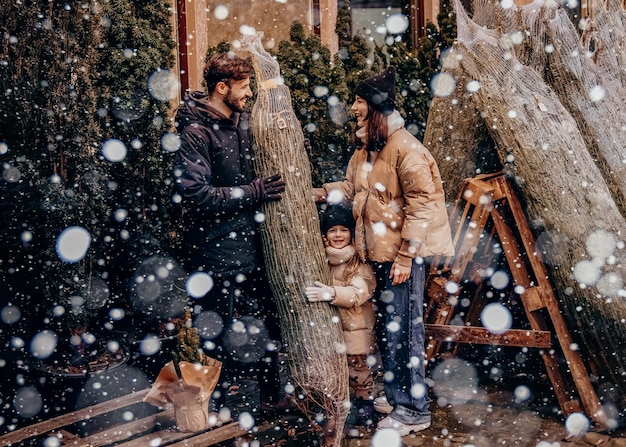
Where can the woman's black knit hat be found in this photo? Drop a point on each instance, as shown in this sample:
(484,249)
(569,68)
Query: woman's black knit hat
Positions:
(379,90)
(336,215)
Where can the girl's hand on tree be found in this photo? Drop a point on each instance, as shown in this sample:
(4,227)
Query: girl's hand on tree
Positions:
(321,292)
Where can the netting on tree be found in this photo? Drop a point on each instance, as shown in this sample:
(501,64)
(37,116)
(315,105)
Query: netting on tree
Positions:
(550,44)
(526,118)
(606,38)
(294,252)
(522,90)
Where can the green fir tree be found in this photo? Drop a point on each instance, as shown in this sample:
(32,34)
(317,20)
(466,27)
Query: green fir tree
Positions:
(319,98)
(75,76)
(136,86)
(416,68)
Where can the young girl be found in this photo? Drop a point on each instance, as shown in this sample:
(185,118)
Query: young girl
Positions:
(351,290)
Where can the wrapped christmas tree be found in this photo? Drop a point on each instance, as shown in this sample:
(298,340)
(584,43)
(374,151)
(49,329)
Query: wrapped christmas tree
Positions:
(554,120)
(294,254)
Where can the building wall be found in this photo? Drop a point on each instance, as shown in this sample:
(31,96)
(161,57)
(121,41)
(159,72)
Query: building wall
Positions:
(205,23)
(273,18)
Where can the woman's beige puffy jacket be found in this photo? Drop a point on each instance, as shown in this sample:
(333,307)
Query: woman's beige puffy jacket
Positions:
(398,202)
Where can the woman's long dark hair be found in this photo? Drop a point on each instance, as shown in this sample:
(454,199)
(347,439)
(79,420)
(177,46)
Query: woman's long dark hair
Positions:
(377,130)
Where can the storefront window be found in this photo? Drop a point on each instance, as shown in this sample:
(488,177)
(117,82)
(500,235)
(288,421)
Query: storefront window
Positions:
(372,17)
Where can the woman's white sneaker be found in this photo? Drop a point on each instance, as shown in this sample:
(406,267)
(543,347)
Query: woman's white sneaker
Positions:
(401,428)
(382,405)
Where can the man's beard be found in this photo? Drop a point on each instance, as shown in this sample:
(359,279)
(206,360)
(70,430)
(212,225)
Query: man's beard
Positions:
(231,102)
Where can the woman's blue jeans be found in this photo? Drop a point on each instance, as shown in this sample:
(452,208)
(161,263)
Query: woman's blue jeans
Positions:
(400,332)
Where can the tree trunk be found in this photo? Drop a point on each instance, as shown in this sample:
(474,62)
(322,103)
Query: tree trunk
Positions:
(295,256)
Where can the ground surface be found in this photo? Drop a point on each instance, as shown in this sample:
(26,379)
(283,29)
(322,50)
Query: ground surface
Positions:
(491,419)
(488,417)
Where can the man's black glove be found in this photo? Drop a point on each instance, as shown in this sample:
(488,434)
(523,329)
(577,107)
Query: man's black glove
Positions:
(267,189)
(273,187)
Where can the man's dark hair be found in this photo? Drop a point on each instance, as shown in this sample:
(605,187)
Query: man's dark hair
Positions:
(226,67)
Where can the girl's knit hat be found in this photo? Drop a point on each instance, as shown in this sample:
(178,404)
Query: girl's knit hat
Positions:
(380,90)
(336,215)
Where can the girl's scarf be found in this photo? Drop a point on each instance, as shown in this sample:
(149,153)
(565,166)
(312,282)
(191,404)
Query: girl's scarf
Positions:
(338,256)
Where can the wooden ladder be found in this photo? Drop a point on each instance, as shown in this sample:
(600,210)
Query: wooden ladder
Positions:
(488,210)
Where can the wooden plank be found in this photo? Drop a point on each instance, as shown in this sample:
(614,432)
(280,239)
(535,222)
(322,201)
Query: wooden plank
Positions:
(578,370)
(161,438)
(533,298)
(522,259)
(221,434)
(122,431)
(518,266)
(460,203)
(40,428)
(66,437)
(470,240)
(437,291)
(167,435)
(478,192)
(480,335)
(439,310)
(468,235)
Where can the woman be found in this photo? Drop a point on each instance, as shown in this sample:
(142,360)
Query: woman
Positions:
(399,206)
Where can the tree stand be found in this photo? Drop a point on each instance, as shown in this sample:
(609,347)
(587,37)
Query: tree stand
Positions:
(489,215)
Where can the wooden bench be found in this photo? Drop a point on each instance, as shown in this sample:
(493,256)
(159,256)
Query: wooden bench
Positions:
(155,429)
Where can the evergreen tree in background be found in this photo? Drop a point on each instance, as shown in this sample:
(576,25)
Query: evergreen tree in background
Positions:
(52,147)
(343,25)
(432,47)
(447,25)
(408,91)
(137,86)
(75,76)
(417,68)
(361,61)
(222,47)
(436,41)
(319,98)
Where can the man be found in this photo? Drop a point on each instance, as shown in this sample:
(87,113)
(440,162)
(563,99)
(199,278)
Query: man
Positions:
(221,202)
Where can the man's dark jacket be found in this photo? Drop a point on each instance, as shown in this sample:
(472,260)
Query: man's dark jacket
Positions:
(212,171)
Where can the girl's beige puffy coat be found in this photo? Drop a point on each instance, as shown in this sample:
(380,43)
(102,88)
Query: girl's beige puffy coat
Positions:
(356,310)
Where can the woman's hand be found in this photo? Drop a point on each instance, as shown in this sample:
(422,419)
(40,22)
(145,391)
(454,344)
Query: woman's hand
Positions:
(321,292)
(318,195)
(399,273)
